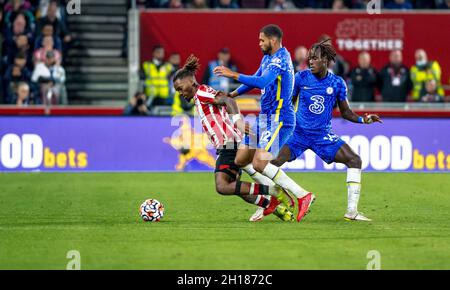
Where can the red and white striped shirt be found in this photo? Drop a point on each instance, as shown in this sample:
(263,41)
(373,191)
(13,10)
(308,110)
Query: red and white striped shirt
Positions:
(215,120)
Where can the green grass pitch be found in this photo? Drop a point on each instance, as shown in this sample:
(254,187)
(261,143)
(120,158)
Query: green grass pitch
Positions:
(45,215)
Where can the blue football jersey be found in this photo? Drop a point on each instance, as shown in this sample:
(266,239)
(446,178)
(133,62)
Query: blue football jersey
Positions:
(316,100)
(276,97)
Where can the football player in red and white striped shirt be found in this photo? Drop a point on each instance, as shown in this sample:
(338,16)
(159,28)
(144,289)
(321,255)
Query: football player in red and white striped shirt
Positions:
(214,109)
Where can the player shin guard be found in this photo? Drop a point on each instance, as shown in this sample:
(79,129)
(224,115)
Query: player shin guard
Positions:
(256,176)
(279,177)
(353,188)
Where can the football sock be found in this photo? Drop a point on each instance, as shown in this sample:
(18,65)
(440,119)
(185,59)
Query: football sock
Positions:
(279,177)
(259,200)
(246,188)
(258,189)
(262,201)
(353,188)
(256,176)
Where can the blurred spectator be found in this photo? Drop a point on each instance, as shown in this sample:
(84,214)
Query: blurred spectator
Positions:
(23,47)
(59,27)
(50,78)
(357,4)
(338,5)
(220,83)
(15,73)
(1,34)
(431,94)
(363,79)
(157,75)
(137,106)
(175,4)
(395,79)
(198,4)
(47,45)
(300,61)
(422,72)
(444,4)
(43,9)
(280,5)
(225,4)
(15,7)
(1,54)
(399,4)
(22,95)
(47,30)
(179,105)
(175,61)
(12,43)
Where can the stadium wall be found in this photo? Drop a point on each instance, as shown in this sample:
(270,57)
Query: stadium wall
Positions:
(78,144)
(204,33)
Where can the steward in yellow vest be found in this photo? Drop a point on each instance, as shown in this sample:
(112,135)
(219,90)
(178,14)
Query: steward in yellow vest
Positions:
(422,72)
(157,76)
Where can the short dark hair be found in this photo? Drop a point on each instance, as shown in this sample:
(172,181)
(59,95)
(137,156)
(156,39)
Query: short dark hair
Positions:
(157,46)
(272,30)
(138,93)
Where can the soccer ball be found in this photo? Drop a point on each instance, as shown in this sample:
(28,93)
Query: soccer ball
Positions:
(151,210)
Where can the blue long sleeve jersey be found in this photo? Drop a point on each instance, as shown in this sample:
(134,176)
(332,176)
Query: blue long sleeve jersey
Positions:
(275,78)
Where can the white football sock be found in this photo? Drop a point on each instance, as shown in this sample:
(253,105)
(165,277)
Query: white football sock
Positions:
(256,176)
(353,188)
(280,178)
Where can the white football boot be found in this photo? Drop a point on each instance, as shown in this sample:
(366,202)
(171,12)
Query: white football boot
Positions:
(258,215)
(356,216)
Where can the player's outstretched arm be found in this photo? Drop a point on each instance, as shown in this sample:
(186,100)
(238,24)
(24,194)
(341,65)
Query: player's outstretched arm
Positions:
(351,116)
(254,81)
(242,89)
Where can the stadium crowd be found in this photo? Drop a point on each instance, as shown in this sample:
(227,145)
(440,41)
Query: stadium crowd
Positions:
(394,82)
(34,38)
(279,5)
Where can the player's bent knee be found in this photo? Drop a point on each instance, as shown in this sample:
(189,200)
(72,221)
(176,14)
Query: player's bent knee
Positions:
(278,162)
(259,165)
(224,189)
(240,162)
(355,162)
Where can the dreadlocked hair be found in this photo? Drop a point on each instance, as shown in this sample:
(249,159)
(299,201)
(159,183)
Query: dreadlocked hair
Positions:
(190,68)
(326,49)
